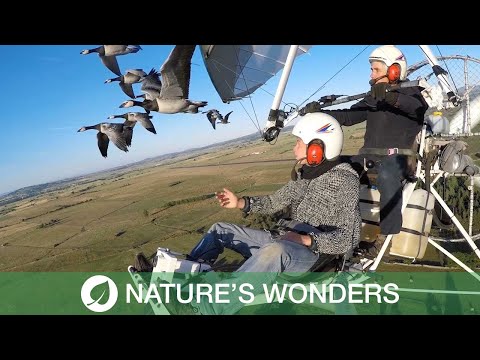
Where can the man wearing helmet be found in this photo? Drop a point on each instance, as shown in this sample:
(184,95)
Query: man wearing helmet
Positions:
(322,198)
(394,119)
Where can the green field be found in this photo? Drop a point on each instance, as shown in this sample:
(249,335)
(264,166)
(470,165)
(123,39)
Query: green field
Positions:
(101,225)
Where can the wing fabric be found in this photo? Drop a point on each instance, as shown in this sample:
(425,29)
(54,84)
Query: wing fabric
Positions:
(237,71)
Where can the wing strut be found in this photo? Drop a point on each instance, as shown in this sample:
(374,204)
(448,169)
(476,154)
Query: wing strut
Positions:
(276,117)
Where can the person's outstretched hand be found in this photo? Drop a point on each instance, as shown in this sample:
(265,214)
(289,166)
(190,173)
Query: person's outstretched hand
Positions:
(227,199)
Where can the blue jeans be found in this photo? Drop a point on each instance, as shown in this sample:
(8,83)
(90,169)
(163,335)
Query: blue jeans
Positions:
(264,255)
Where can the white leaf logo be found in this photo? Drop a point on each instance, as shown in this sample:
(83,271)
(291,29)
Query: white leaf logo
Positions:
(95,305)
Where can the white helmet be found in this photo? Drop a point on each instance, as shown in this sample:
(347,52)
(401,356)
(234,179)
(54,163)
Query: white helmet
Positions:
(389,54)
(324,127)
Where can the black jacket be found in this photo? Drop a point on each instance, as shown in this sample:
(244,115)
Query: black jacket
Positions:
(388,126)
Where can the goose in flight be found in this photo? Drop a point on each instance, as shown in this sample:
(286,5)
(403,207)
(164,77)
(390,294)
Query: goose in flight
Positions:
(153,106)
(119,134)
(213,115)
(224,120)
(132,118)
(130,77)
(108,54)
(175,73)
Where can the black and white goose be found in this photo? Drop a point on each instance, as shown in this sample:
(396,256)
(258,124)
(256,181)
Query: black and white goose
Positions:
(152,88)
(224,120)
(213,115)
(119,134)
(126,80)
(108,54)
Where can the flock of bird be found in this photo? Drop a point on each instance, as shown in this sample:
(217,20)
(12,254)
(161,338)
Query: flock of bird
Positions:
(214,115)
(168,95)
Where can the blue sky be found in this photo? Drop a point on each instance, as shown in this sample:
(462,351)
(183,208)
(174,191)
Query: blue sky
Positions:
(51,91)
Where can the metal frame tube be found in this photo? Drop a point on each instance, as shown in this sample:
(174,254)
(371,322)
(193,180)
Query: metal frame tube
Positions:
(284,78)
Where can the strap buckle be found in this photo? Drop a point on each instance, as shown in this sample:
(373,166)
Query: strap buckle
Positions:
(392,151)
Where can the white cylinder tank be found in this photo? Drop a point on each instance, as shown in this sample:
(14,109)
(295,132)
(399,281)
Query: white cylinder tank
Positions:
(412,240)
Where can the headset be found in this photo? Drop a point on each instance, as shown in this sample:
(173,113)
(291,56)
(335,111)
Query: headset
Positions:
(315,152)
(393,72)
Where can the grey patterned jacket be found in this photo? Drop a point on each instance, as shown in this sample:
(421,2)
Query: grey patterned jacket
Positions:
(329,202)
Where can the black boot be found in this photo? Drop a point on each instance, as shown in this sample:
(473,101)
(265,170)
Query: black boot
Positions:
(142,264)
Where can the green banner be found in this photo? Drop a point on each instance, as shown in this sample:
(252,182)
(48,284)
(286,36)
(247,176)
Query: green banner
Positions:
(398,293)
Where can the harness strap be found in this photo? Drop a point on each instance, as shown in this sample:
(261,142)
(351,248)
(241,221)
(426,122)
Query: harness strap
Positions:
(391,151)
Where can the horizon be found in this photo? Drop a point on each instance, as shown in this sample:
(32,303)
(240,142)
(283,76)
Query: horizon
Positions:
(128,164)
(58,91)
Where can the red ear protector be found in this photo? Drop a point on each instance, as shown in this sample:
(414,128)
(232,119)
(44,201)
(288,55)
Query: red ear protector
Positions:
(393,72)
(315,152)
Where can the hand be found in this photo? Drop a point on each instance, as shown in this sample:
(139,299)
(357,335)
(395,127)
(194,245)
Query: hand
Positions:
(295,237)
(391,98)
(313,106)
(380,94)
(227,199)
(378,91)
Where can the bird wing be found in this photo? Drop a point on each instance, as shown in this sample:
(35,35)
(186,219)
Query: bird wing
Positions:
(121,49)
(144,119)
(226,117)
(211,117)
(116,135)
(102,140)
(133,76)
(151,85)
(127,89)
(112,50)
(111,63)
(128,132)
(175,72)
(136,72)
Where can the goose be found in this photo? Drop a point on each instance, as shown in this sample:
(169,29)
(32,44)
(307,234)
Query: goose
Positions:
(130,77)
(224,120)
(117,133)
(213,115)
(148,105)
(108,54)
(191,109)
(175,73)
(132,118)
